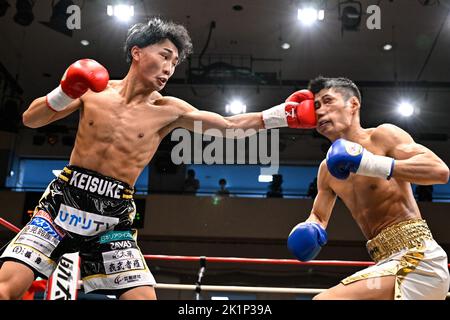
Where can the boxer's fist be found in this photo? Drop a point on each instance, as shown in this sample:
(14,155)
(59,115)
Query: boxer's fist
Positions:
(345,157)
(296,112)
(79,77)
(302,114)
(306,239)
(83,75)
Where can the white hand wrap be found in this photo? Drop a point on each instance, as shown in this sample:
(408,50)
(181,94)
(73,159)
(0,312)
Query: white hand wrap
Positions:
(57,100)
(376,166)
(275,117)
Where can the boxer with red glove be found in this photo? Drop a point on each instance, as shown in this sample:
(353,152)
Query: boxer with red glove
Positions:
(79,77)
(296,112)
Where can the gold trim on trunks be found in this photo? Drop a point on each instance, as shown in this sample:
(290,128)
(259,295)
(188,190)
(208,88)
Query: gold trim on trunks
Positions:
(407,234)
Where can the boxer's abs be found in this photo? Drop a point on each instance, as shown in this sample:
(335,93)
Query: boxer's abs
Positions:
(117,139)
(115,147)
(375,203)
(112,160)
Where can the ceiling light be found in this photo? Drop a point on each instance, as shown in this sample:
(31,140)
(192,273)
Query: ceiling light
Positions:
(387,47)
(406,109)
(236,107)
(309,15)
(122,12)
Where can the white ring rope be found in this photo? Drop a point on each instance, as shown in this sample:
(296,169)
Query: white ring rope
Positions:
(241,289)
(237,288)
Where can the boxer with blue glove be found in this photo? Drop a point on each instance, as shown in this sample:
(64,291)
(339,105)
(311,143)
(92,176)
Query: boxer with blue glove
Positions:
(379,197)
(306,239)
(345,157)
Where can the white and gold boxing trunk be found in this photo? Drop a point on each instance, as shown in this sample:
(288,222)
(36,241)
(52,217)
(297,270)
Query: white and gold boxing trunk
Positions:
(407,251)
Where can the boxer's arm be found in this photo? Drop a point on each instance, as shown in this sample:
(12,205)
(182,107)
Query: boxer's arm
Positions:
(307,238)
(79,77)
(199,121)
(211,120)
(39,114)
(325,199)
(413,162)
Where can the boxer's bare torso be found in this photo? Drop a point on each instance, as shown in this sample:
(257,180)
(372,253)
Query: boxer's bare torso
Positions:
(117,138)
(121,127)
(373,202)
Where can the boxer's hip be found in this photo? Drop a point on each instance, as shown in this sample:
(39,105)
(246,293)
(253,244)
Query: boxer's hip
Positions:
(408,252)
(87,203)
(407,234)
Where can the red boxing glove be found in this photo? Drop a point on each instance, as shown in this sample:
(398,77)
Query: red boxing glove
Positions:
(303,114)
(79,77)
(297,112)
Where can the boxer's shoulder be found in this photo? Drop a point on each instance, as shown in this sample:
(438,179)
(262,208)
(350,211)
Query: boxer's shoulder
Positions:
(113,84)
(385,129)
(323,176)
(387,133)
(174,104)
(111,88)
(156,96)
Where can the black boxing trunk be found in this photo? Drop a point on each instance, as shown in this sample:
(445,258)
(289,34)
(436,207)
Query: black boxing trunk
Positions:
(86,212)
(86,203)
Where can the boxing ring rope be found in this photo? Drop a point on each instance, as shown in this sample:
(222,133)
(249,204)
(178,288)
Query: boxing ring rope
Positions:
(9,225)
(191,287)
(198,287)
(262,261)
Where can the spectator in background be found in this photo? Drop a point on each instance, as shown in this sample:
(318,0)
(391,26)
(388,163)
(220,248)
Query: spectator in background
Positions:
(312,189)
(191,184)
(424,193)
(223,191)
(275,189)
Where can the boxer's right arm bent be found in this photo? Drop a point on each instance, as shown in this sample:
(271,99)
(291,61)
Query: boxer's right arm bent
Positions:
(79,77)
(307,238)
(39,114)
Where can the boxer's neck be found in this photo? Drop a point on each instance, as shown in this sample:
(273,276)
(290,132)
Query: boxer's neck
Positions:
(133,89)
(354,133)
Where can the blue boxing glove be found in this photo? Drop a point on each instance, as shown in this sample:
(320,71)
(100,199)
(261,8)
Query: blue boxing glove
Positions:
(306,239)
(345,156)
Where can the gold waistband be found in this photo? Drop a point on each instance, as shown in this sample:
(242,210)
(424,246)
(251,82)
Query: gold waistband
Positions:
(404,235)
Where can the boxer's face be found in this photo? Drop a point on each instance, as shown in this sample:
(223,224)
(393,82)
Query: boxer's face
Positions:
(334,114)
(156,63)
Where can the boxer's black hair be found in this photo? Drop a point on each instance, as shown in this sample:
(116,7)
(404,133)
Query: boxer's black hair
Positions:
(156,30)
(344,86)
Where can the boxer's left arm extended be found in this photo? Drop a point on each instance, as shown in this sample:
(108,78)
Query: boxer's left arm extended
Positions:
(307,238)
(296,112)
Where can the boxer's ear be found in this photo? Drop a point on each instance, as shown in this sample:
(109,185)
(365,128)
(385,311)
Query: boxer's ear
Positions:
(135,53)
(354,104)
